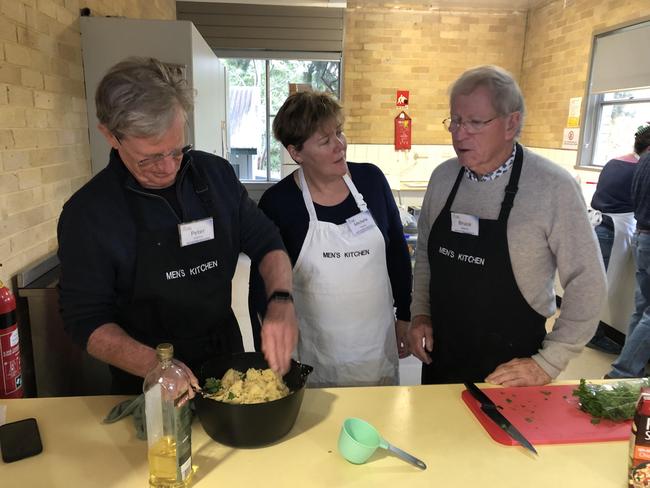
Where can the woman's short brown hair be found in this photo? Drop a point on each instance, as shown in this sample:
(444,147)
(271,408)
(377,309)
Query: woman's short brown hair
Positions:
(302,114)
(642,138)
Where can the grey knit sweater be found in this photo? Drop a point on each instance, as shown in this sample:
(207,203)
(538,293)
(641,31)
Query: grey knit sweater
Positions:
(548,231)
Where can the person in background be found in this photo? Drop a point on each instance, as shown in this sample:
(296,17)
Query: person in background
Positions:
(149,246)
(496,224)
(632,361)
(351,267)
(613,199)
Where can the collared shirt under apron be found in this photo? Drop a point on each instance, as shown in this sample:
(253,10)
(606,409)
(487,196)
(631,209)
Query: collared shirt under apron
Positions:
(480,318)
(344,302)
(181,295)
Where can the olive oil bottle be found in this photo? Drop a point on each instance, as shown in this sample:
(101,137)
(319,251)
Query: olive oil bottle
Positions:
(169,429)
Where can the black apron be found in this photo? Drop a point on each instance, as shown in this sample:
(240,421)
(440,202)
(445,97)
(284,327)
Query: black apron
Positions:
(179,295)
(480,318)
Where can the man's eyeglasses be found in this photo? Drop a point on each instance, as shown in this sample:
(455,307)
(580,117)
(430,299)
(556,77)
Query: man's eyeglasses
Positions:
(156,158)
(471,126)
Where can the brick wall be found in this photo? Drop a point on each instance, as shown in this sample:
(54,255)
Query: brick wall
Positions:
(412,45)
(44,150)
(415,47)
(44,153)
(556,59)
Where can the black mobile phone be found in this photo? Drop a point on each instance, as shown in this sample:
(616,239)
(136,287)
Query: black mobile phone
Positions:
(19,440)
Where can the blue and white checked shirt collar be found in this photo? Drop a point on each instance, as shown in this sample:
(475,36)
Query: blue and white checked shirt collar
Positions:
(494,174)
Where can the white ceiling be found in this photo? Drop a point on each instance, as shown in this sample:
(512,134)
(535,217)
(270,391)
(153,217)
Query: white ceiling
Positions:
(497,4)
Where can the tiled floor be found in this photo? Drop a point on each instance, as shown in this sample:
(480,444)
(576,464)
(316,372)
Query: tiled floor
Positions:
(590,364)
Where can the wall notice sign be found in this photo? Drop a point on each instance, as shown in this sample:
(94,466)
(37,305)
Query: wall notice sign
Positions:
(402,99)
(570,138)
(574,112)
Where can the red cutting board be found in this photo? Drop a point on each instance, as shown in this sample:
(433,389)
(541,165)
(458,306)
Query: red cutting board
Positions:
(545,415)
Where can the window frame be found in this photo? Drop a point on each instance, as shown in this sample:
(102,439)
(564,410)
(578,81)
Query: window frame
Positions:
(268,57)
(596,102)
(594,111)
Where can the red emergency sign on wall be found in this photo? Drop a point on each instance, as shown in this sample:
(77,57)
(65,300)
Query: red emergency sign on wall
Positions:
(402,131)
(402,99)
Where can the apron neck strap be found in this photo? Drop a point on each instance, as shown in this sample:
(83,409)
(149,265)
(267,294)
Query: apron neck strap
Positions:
(309,203)
(358,197)
(510,191)
(454,189)
(201,188)
(306,195)
(512,187)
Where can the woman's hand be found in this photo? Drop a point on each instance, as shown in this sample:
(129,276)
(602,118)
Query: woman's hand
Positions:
(401,332)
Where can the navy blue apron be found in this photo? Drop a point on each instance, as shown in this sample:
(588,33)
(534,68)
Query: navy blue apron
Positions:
(480,318)
(193,312)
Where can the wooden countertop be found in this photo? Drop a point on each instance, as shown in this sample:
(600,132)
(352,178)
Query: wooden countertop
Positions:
(431,422)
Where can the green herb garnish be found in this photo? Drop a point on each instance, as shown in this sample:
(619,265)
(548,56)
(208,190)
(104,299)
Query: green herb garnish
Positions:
(614,401)
(231,395)
(212,385)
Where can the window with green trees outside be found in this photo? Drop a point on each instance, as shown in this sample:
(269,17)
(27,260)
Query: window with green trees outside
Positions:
(257,89)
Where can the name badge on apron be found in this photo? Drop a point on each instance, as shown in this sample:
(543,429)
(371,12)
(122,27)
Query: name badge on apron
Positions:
(360,222)
(196,231)
(464,223)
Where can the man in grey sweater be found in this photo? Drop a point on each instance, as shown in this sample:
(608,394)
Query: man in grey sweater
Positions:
(497,223)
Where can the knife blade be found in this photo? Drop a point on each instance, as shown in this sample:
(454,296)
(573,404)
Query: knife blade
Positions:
(490,409)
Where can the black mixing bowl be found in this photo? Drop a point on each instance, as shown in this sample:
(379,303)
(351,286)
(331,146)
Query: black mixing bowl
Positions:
(256,424)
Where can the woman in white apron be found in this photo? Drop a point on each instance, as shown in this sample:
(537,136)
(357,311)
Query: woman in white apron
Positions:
(613,201)
(342,230)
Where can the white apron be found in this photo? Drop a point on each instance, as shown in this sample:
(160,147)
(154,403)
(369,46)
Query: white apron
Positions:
(344,302)
(621,257)
(620,272)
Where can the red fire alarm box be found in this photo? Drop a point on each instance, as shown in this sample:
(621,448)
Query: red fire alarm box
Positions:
(402,131)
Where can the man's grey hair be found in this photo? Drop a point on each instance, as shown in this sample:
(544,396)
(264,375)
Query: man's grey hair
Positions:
(505,92)
(139,97)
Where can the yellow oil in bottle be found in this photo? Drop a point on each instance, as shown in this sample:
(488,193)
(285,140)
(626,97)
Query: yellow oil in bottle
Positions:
(169,422)
(162,465)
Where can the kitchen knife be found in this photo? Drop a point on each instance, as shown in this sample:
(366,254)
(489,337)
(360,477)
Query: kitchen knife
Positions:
(490,409)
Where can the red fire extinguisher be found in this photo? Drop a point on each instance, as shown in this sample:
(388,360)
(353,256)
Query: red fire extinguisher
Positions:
(11,381)
(402,131)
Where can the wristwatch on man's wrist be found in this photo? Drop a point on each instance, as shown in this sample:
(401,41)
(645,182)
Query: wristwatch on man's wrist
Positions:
(280,296)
